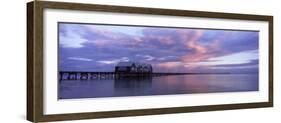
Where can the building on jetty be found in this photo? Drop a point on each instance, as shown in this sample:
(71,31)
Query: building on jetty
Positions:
(133,69)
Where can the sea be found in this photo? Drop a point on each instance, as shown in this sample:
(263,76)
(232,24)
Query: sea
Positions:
(159,85)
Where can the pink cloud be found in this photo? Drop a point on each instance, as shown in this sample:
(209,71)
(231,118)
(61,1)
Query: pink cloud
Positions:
(169,64)
(191,40)
(201,52)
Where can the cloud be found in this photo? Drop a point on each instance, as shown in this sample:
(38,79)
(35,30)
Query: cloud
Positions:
(146,57)
(252,63)
(170,49)
(107,62)
(79,59)
(115,61)
(191,40)
(71,36)
(169,64)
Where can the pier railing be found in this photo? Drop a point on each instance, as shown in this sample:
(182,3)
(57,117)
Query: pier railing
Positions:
(76,75)
(80,75)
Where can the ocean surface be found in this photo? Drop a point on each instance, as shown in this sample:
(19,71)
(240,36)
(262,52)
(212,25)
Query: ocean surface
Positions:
(161,85)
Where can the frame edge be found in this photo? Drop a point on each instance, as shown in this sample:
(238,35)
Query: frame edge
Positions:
(271,56)
(30,44)
(153,11)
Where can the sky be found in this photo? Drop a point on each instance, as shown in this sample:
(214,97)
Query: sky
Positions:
(96,47)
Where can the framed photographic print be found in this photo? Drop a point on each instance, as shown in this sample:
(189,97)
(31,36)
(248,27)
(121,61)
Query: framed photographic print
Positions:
(90,61)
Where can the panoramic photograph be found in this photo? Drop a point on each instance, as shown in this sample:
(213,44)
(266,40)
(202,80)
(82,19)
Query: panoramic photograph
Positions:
(107,60)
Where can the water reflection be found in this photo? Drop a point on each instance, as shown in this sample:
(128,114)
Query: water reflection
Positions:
(132,82)
(162,85)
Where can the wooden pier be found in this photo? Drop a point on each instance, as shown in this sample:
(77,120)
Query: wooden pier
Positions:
(82,75)
(70,75)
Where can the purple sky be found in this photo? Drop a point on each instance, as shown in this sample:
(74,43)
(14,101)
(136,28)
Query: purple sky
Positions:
(90,47)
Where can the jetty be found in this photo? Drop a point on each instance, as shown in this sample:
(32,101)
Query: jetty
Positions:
(83,75)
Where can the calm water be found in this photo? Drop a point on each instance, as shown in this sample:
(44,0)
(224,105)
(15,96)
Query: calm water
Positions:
(180,84)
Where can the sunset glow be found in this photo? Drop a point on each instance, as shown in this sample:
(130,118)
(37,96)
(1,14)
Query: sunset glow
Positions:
(92,47)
